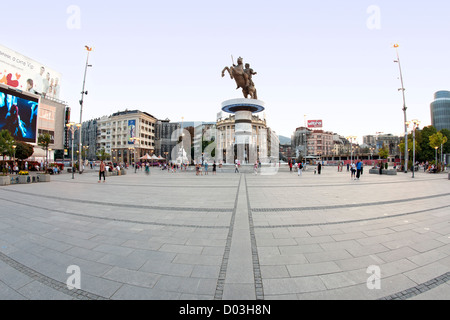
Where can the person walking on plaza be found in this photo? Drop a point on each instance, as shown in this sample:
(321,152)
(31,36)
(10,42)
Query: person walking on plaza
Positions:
(101,172)
(236,168)
(358,169)
(319,168)
(214,168)
(206,168)
(300,168)
(353,171)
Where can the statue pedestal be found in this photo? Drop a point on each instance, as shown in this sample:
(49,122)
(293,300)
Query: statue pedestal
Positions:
(245,145)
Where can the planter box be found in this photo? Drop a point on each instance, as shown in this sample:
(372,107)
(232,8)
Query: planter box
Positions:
(389,172)
(42,177)
(24,179)
(5,180)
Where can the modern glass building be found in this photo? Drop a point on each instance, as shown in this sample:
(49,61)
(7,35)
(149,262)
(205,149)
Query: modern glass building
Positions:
(440,110)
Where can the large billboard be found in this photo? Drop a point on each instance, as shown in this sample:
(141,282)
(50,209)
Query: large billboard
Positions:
(315,124)
(18,115)
(23,73)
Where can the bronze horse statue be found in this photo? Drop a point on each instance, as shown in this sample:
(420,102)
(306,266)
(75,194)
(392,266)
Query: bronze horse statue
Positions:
(242,78)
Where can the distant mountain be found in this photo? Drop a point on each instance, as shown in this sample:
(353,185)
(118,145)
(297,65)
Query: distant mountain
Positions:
(284,140)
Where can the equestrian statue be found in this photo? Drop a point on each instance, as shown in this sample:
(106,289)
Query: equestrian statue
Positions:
(243,78)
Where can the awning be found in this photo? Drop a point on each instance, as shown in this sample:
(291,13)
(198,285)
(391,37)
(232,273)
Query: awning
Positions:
(38,152)
(146,157)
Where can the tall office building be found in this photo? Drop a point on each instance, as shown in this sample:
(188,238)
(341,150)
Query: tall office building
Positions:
(440,110)
(164,139)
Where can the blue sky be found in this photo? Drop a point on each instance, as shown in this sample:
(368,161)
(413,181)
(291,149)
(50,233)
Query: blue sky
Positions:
(328,60)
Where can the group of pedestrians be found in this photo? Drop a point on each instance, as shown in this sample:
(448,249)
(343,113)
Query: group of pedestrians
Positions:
(356,170)
(199,169)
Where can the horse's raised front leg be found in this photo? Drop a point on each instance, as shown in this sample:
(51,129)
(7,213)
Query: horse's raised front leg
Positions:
(229,72)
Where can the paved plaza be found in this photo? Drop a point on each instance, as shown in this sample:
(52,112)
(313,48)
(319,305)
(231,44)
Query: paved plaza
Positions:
(230,236)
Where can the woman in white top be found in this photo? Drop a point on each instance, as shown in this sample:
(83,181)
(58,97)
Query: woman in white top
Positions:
(353,170)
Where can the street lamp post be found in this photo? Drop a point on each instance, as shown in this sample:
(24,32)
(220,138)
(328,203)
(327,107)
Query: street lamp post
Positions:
(72,127)
(14,154)
(435,148)
(351,138)
(404,107)
(81,103)
(415,124)
(134,139)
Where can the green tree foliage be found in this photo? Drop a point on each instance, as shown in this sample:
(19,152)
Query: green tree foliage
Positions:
(384,152)
(24,150)
(446,134)
(6,143)
(426,151)
(102,155)
(411,144)
(44,141)
(437,139)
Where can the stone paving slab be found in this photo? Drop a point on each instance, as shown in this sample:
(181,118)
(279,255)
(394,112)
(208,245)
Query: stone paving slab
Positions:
(177,236)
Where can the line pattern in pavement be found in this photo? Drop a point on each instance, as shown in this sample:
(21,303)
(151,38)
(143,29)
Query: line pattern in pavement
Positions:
(353,220)
(421,288)
(350,205)
(359,183)
(157,186)
(123,205)
(52,283)
(218,295)
(116,219)
(259,288)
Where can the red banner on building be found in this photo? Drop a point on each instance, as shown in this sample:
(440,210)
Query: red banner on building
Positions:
(315,123)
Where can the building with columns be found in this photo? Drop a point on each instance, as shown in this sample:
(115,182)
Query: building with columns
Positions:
(226,140)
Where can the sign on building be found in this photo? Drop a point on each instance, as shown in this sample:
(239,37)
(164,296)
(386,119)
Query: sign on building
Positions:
(315,124)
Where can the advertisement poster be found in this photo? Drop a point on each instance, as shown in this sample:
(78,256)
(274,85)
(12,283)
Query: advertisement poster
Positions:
(18,115)
(131,131)
(25,74)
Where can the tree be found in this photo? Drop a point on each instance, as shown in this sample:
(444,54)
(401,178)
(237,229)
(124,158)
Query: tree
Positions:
(384,152)
(102,155)
(6,143)
(44,141)
(437,140)
(24,150)
(411,145)
(446,133)
(426,151)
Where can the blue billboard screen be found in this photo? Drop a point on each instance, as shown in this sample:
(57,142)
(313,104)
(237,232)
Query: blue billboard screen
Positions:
(18,115)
